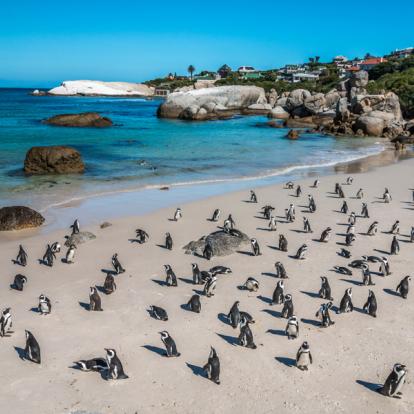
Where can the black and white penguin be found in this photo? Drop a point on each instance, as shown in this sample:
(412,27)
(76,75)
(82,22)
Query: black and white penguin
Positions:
(55,247)
(75,227)
(287,310)
(94,300)
(298,191)
(349,239)
(32,349)
(194,304)
(372,259)
(45,306)
(70,254)
(350,229)
(279,293)
(324,315)
(210,286)
(326,234)
(115,368)
(19,282)
(349,180)
(267,211)
(246,334)
(5,322)
(291,213)
(316,183)
(158,313)
(255,247)
(386,196)
(212,368)
(283,243)
(109,284)
(343,270)
(341,193)
(292,327)
(344,207)
(373,229)
(345,253)
(384,268)
(360,193)
(325,290)
(366,276)
(403,287)
(168,241)
(306,225)
(251,284)
(304,357)
(94,364)
(116,264)
(280,270)
(234,315)
(231,221)
(412,235)
(253,197)
(289,186)
(142,236)
(357,264)
(395,229)
(346,304)
(272,223)
(216,215)
(196,274)
(21,258)
(247,316)
(395,381)
(352,219)
(301,253)
(395,246)
(208,251)
(220,270)
(178,214)
(48,257)
(364,210)
(312,204)
(371,306)
(171,278)
(169,344)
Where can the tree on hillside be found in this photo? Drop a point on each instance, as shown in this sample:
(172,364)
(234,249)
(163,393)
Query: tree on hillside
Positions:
(191,69)
(317,59)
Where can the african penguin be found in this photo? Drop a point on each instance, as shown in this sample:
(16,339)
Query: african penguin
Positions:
(178,214)
(280,270)
(325,290)
(194,304)
(255,247)
(32,349)
(403,287)
(210,286)
(21,258)
(94,364)
(5,322)
(45,306)
(283,243)
(94,300)
(371,304)
(394,382)
(109,284)
(346,304)
(116,264)
(171,278)
(19,282)
(246,334)
(303,357)
(70,254)
(169,343)
(212,368)
(287,310)
(251,284)
(158,313)
(292,327)
(116,370)
(278,294)
(168,241)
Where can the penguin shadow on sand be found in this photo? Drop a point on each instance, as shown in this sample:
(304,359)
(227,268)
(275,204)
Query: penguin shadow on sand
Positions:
(222,317)
(188,281)
(299,231)
(269,274)
(273,313)
(102,372)
(160,282)
(162,246)
(310,294)
(199,292)
(84,305)
(264,299)
(382,251)
(391,292)
(279,332)
(245,253)
(311,322)
(289,362)
(372,386)
(109,272)
(35,309)
(353,282)
(232,340)
(156,350)
(20,352)
(197,371)
(273,247)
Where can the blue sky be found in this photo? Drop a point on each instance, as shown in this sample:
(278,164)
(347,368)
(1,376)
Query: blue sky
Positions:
(44,42)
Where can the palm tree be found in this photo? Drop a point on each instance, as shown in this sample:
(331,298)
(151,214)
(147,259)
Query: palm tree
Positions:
(191,69)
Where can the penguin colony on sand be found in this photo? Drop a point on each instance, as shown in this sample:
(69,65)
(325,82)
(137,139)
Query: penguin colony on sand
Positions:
(111,365)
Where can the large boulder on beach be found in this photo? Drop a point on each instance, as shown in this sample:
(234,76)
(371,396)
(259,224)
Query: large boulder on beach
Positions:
(297,98)
(278,112)
(211,103)
(86,119)
(53,160)
(315,103)
(19,217)
(79,238)
(222,243)
(370,125)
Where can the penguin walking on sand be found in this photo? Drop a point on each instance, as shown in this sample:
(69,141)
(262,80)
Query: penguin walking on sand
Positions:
(360,193)
(301,253)
(234,315)
(75,227)
(324,315)
(216,215)
(287,310)
(349,239)
(226,226)
(170,346)
(253,197)
(403,287)
(306,225)
(364,210)
(292,327)
(370,306)
(366,276)
(55,247)
(168,241)
(350,229)
(283,243)
(19,282)
(255,247)
(171,278)
(316,183)
(94,300)
(267,211)
(280,270)
(251,284)
(394,382)
(272,223)
(304,357)
(298,191)
(246,334)
(278,294)
(341,193)
(48,257)
(116,264)
(325,290)
(5,322)
(109,285)
(412,235)
(210,286)
(178,214)
(384,268)
(45,306)
(116,370)
(94,364)
(395,229)
(352,219)
(395,246)
(32,349)
(158,313)
(312,204)
(349,181)
(326,234)
(212,368)
(346,304)
(196,274)
(194,304)
(373,229)
(70,254)
(208,251)
(290,213)
(142,236)
(21,258)
(386,196)
(344,207)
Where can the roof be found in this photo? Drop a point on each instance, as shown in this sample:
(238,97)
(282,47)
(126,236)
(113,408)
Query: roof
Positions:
(373,61)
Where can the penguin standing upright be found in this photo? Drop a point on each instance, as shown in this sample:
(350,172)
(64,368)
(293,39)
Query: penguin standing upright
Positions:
(324,316)
(75,227)
(212,368)
(5,322)
(395,229)
(171,278)
(168,241)
(306,225)
(303,357)
(403,287)
(178,214)
(49,256)
(386,196)
(278,294)
(346,304)
(32,349)
(116,370)
(196,274)
(298,191)
(280,270)
(312,204)
(231,221)
(117,264)
(352,219)
(109,284)
(272,223)
(45,306)
(349,180)
(349,239)
(325,290)
(283,243)
(216,215)
(169,344)
(373,229)
(287,310)
(364,210)
(384,268)
(371,304)
(394,382)
(344,207)
(253,197)
(94,300)
(291,213)
(21,258)
(234,315)
(412,235)
(246,334)
(292,328)
(194,304)
(366,276)
(301,253)
(316,183)
(142,236)
(19,282)
(70,254)
(360,193)
(255,247)
(395,246)
(325,235)
(208,251)
(210,286)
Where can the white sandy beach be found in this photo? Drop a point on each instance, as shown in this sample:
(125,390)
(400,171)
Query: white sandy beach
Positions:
(357,348)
